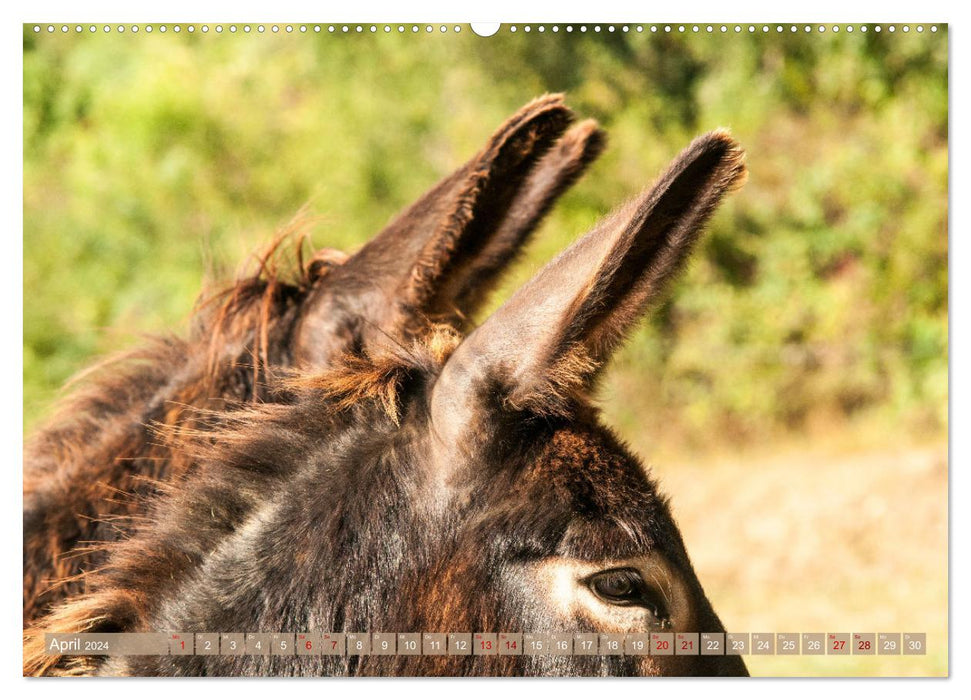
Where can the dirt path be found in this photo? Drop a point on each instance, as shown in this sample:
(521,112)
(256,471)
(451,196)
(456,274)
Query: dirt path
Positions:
(822,541)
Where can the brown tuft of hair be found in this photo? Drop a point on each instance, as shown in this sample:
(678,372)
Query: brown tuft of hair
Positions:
(357,378)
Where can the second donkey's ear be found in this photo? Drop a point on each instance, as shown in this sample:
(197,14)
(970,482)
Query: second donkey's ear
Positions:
(436,260)
(546,344)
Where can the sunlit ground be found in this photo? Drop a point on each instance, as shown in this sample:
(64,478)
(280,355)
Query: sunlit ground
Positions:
(821,538)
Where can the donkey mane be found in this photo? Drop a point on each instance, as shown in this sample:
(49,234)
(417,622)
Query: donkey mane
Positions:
(116,436)
(231,458)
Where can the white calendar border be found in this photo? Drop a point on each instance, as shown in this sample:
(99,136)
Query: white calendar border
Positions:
(603,11)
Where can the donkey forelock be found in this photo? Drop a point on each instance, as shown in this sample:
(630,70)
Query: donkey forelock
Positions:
(396,475)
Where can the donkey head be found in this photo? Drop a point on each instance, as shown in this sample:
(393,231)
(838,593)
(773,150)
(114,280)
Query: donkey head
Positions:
(446,484)
(416,481)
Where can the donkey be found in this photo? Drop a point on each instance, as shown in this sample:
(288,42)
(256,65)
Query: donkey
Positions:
(402,475)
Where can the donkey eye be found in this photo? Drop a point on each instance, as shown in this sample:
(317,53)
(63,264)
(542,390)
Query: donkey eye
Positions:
(626,587)
(620,586)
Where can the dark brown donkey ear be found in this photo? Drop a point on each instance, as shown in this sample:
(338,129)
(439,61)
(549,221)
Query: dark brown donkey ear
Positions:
(546,344)
(436,260)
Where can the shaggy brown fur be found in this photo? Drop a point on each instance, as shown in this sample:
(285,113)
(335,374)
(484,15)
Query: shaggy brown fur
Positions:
(113,441)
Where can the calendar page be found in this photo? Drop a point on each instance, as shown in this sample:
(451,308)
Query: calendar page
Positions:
(522,349)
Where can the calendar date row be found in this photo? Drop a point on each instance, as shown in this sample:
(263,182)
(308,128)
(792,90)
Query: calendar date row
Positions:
(484,644)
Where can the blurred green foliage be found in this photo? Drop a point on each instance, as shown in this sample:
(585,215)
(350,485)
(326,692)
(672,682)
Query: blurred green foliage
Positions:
(819,297)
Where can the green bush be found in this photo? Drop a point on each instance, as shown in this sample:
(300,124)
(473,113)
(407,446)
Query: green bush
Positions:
(819,297)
